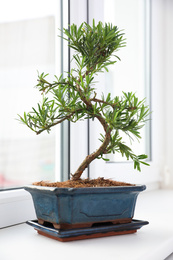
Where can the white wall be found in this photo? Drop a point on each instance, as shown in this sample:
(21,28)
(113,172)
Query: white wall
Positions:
(167,85)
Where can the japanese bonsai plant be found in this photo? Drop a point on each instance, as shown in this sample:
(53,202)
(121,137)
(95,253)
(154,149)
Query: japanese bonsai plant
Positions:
(74,98)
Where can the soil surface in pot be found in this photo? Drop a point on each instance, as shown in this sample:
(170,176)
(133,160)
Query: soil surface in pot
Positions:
(82,183)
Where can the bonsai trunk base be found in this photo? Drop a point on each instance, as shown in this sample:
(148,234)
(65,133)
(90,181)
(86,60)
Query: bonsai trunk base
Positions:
(84,225)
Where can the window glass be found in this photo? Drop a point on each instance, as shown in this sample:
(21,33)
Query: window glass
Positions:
(27,40)
(130,74)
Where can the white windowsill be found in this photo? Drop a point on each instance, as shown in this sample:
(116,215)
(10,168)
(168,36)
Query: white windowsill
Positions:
(151,242)
(16,206)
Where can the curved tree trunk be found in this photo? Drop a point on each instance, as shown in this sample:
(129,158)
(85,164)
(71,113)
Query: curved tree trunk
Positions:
(89,158)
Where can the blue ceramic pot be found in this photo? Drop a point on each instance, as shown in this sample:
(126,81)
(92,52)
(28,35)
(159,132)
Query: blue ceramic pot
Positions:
(76,207)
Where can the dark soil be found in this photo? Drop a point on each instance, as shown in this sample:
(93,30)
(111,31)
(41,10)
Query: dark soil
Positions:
(82,183)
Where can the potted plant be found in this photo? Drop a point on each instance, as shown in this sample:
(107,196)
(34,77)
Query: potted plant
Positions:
(78,203)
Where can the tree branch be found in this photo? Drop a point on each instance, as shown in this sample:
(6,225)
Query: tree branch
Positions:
(57,122)
(53,85)
(104,102)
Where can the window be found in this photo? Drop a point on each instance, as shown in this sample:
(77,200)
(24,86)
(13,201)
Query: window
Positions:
(27,43)
(132,73)
(137,19)
(73,11)
(129,75)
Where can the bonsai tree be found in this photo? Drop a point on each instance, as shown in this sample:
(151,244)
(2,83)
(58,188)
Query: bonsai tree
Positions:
(74,96)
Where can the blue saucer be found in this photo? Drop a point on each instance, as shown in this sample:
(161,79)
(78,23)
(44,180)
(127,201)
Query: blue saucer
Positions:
(97,230)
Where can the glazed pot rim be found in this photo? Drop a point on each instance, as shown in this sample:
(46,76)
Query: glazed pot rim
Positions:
(110,189)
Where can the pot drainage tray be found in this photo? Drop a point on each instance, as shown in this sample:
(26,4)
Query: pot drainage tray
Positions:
(97,230)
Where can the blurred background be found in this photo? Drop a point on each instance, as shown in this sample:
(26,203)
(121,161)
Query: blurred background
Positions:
(29,43)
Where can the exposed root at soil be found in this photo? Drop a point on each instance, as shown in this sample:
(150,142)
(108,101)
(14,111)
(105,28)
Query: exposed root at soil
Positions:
(82,183)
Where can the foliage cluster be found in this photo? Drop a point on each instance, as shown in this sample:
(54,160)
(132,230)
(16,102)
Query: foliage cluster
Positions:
(74,96)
